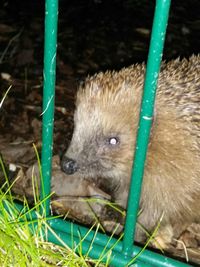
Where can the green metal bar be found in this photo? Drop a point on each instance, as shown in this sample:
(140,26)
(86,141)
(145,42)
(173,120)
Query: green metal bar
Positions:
(146,116)
(102,240)
(51,18)
(71,234)
(96,251)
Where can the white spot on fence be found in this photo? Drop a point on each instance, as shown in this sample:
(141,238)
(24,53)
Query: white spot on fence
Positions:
(147,118)
(48,103)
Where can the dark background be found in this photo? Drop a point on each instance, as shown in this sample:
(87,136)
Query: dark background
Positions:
(101,34)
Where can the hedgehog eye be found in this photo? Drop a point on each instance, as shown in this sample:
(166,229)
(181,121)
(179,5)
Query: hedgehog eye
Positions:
(113,141)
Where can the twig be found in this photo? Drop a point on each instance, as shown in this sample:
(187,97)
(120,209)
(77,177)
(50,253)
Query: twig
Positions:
(9,44)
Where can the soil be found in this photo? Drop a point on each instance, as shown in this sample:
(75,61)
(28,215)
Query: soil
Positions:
(93,35)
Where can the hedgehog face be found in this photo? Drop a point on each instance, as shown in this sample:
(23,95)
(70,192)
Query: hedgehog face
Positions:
(105,120)
(101,145)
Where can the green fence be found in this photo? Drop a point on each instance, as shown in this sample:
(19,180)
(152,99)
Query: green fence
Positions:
(123,252)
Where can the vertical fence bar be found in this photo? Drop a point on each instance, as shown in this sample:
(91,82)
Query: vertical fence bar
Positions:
(51,18)
(146,115)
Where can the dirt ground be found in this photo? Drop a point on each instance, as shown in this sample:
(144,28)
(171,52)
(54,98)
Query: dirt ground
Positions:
(93,35)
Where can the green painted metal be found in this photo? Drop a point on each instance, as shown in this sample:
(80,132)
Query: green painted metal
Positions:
(73,234)
(70,233)
(102,241)
(51,17)
(146,117)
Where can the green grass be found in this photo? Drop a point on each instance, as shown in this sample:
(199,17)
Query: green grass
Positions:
(23,243)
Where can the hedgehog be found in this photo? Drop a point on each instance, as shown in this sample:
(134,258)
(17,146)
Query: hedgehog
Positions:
(105,127)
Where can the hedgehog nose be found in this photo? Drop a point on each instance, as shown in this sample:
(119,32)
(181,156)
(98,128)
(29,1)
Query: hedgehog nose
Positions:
(69,166)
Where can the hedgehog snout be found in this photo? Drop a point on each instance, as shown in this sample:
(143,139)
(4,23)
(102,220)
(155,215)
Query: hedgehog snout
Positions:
(68,165)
